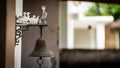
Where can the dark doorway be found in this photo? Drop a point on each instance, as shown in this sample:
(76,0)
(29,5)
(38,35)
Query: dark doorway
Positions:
(2,32)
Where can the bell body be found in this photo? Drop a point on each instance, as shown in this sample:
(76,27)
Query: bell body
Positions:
(41,49)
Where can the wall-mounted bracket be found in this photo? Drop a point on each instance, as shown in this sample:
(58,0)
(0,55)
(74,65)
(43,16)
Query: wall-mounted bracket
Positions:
(25,27)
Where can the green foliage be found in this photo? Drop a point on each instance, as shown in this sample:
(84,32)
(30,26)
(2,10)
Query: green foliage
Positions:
(102,9)
(92,10)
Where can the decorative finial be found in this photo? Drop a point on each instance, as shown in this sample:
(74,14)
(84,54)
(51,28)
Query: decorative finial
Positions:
(26,19)
(44,14)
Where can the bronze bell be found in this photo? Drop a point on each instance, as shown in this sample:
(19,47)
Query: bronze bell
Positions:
(41,49)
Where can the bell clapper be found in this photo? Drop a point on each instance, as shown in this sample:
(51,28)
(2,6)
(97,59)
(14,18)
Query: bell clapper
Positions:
(40,61)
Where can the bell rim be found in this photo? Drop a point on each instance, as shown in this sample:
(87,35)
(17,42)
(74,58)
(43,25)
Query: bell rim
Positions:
(47,55)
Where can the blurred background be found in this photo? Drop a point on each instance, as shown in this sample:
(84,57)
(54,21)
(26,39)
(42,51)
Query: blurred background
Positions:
(89,25)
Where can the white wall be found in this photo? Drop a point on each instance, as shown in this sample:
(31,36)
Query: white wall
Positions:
(84,38)
(100,36)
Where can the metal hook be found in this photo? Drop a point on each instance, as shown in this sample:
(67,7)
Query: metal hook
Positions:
(41,28)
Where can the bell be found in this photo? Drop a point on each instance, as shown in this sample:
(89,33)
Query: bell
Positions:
(41,49)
